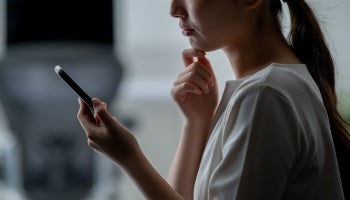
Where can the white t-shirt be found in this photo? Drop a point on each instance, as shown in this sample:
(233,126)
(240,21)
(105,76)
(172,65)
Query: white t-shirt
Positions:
(271,141)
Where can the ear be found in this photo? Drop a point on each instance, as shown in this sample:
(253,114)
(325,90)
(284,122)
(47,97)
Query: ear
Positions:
(252,4)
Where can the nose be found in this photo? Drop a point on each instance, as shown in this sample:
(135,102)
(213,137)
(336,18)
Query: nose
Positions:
(177,10)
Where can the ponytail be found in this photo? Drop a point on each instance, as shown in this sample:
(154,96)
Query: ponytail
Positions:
(308,43)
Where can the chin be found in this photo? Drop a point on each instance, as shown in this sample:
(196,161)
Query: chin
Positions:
(202,46)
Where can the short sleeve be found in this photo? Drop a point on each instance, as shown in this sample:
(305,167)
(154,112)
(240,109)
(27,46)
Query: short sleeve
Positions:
(260,144)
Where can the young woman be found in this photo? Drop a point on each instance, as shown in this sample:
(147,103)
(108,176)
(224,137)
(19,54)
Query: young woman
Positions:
(270,137)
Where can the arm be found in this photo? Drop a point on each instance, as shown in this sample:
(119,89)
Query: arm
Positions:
(195,91)
(108,136)
(186,162)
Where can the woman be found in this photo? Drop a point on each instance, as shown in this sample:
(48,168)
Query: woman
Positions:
(271,135)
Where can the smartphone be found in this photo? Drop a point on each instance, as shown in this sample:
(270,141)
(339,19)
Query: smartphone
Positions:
(77,89)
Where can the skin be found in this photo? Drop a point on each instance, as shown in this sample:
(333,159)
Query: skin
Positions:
(242,29)
(196,93)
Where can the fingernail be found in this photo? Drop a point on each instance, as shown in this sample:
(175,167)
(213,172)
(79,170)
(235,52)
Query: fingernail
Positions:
(79,100)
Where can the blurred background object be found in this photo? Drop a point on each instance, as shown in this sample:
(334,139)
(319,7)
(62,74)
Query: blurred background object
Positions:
(10,160)
(56,162)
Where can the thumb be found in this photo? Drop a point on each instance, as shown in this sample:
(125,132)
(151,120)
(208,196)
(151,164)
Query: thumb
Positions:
(204,61)
(101,112)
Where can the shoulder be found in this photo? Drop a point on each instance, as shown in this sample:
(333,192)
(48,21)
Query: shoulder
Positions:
(264,112)
(277,102)
(274,95)
(288,81)
(266,97)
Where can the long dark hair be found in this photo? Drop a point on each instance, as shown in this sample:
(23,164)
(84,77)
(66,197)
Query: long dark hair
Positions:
(308,43)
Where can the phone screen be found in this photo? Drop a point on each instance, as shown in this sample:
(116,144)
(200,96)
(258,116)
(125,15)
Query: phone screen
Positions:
(83,95)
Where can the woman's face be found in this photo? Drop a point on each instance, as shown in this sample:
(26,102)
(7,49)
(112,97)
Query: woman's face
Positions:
(210,24)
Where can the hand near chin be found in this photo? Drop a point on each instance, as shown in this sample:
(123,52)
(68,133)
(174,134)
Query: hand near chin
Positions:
(195,90)
(106,134)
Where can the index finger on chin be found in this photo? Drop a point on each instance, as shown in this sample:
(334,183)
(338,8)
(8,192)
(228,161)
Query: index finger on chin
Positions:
(189,54)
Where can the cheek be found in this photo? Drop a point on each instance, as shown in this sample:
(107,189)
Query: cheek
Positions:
(216,36)
(214,30)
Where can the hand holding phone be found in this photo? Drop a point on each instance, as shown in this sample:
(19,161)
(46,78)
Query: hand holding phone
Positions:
(82,94)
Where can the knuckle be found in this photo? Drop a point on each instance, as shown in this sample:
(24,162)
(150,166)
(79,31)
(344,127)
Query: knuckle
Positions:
(186,52)
(176,82)
(191,74)
(196,66)
(186,85)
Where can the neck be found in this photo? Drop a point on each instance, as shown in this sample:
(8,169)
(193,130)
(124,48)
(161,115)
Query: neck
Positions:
(257,52)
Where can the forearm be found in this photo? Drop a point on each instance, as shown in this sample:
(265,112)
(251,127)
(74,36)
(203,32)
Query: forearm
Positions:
(148,180)
(184,168)
(196,93)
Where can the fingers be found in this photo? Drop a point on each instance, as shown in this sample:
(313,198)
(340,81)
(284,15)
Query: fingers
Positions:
(105,118)
(195,75)
(188,55)
(203,60)
(85,117)
(99,126)
(85,112)
(197,78)
(185,88)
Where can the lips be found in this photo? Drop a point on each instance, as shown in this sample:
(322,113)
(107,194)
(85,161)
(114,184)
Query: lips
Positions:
(186,30)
